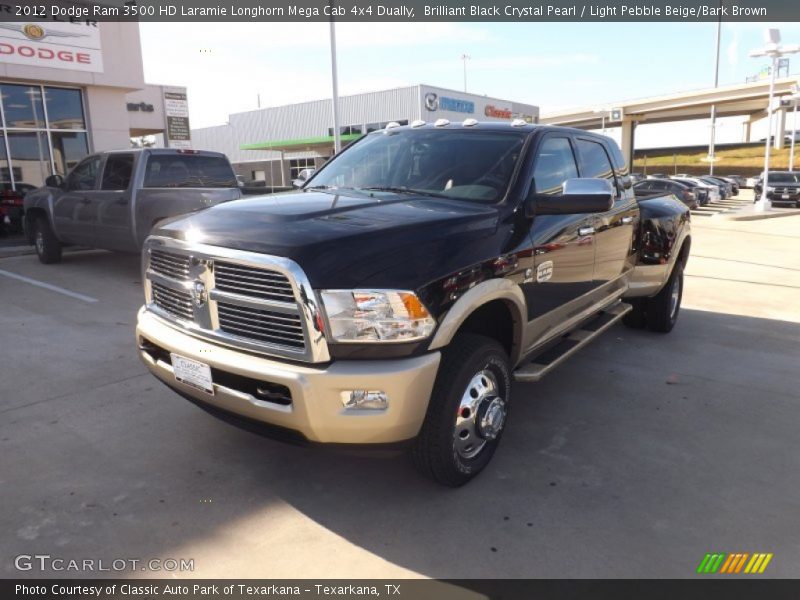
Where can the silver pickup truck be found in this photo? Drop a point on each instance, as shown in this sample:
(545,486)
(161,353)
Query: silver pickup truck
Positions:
(112,200)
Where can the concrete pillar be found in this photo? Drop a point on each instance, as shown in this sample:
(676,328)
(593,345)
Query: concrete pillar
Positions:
(781,128)
(747,131)
(626,144)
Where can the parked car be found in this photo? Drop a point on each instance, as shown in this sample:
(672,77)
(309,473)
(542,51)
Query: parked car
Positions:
(112,200)
(724,185)
(682,191)
(11,206)
(394,299)
(658,176)
(636,177)
(738,180)
(712,189)
(751,182)
(783,187)
(303,176)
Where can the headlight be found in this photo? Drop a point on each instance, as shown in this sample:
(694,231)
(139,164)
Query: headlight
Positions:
(376,316)
(770,188)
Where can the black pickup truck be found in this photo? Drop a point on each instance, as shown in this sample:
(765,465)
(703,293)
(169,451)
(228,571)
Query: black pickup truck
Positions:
(396,297)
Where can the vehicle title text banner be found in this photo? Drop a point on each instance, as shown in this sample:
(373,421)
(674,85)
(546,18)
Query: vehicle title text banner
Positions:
(409,11)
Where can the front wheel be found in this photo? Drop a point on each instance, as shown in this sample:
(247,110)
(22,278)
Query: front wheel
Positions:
(48,248)
(467,411)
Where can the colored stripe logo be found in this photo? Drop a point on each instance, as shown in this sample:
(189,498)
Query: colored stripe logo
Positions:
(738,562)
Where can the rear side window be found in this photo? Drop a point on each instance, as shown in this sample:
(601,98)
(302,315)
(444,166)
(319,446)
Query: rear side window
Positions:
(118,171)
(594,160)
(188,170)
(555,163)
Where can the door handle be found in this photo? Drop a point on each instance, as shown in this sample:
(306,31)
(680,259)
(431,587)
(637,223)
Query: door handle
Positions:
(626,220)
(586,231)
(84,200)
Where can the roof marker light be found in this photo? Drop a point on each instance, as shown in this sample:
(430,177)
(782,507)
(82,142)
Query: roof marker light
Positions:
(441,123)
(392,125)
(470,122)
(418,123)
(519,123)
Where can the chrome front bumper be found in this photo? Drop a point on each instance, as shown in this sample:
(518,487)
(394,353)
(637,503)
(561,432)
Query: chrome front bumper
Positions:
(316,409)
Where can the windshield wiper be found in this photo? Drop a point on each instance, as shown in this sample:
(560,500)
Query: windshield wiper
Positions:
(403,190)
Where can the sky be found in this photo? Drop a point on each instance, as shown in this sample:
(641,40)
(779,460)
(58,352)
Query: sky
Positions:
(227,66)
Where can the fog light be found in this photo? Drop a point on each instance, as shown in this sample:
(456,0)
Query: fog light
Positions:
(367,399)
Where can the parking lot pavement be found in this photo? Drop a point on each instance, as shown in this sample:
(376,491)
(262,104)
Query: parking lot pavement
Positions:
(636,458)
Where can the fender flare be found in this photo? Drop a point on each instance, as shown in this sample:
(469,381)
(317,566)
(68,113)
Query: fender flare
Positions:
(480,295)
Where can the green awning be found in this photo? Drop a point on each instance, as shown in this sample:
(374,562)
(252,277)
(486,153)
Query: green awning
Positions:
(299,145)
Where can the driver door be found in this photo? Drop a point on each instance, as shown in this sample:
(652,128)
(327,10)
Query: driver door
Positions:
(74,210)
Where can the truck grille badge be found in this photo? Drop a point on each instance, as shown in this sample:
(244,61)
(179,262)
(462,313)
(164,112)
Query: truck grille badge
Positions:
(199,293)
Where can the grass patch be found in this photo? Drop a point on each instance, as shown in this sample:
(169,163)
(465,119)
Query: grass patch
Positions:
(744,160)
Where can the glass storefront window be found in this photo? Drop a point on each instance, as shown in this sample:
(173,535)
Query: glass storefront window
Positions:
(30,157)
(23,106)
(44,131)
(64,108)
(69,148)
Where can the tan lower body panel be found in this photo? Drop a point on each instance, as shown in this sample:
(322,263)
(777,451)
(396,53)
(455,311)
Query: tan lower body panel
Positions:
(317,410)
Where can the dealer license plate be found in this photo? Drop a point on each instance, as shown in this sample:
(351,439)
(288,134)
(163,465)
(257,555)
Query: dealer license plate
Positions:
(192,373)
(785,196)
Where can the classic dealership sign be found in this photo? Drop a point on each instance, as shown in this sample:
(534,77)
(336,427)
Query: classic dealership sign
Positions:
(57,45)
(497,113)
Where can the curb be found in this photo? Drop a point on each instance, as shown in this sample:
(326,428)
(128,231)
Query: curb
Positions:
(760,216)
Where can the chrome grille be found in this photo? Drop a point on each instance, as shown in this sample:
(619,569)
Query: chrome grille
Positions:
(255,283)
(246,300)
(281,329)
(169,264)
(176,303)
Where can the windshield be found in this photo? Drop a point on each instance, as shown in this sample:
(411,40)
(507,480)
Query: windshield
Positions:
(783,178)
(461,164)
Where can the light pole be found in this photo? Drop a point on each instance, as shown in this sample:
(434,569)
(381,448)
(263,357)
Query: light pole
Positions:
(795,99)
(711,156)
(774,50)
(337,137)
(464,59)
(604,113)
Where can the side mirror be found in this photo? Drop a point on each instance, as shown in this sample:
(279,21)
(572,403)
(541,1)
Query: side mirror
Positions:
(580,195)
(55,181)
(298,183)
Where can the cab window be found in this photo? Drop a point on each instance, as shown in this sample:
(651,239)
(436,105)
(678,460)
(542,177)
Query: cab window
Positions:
(84,176)
(594,160)
(555,163)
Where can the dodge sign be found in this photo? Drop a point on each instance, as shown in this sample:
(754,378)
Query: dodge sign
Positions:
(61,45)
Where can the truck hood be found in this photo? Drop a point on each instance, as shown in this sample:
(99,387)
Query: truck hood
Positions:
(348,238)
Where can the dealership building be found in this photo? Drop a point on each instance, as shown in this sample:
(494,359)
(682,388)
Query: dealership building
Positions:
(71,88)
(274,144)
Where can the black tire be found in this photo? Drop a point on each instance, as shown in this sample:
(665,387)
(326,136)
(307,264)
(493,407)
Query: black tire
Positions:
(48,248)
(437,453)
(636,318)
(663,308)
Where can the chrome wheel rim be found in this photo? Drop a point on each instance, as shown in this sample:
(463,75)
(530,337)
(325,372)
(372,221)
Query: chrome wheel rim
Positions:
(674,297)
(481,415)
(39,242)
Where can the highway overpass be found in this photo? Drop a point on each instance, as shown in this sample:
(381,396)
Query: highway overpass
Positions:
(747,99)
